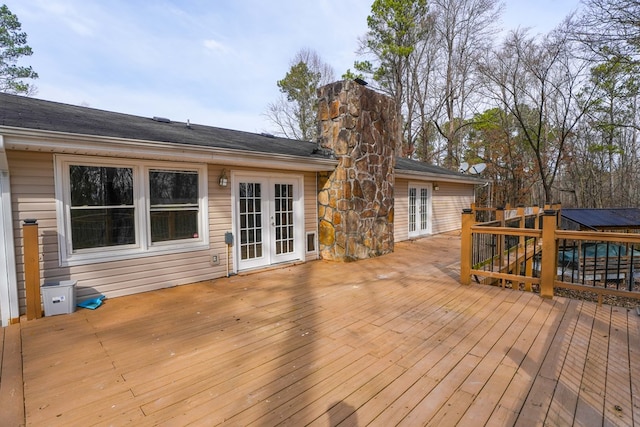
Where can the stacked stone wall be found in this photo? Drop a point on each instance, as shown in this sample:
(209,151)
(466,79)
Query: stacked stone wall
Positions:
(360,128)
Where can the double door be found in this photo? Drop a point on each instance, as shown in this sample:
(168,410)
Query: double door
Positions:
(419,209)
(269,220)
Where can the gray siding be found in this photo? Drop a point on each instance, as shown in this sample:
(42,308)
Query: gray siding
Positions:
(33,196)
(448,203)
(401,210)
(311,211)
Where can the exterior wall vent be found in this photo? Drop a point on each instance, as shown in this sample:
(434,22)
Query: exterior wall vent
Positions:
(311,241)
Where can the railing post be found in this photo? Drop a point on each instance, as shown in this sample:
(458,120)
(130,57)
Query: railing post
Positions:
(500,239)
(557,206)
(32,268)
(528,266)
(549,262)
(500,215)
(466,246)
(522,240)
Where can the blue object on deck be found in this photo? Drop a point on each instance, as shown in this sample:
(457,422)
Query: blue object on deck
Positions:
(92,303)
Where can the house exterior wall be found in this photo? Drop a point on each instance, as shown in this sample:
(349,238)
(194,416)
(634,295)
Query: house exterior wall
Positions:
(447,204)
(311,213)
(401,210)
(33,196)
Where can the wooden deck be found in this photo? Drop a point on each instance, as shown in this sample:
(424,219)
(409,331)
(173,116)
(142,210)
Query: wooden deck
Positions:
(388,341)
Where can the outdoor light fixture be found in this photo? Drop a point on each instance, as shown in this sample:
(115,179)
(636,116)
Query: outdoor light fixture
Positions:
(436,187)
(223,180)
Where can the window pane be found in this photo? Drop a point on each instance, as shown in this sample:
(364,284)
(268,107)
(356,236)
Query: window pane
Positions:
(174,205)
(172,188)
(101,186)
(94,228)
(174,225)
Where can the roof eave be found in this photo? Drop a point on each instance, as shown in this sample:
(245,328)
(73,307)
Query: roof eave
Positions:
(81,144)
(440,177)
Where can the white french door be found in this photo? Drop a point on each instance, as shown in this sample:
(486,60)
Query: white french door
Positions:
(269,220)
(419,209)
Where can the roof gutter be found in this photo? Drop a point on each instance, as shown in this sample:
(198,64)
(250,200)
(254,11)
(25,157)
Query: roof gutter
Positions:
(71,143)
(440,178)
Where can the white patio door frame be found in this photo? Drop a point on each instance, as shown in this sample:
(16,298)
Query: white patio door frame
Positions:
(268,227)
(420,209)
(9,303)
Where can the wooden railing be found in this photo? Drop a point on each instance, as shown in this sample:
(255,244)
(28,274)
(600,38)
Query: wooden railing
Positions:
(524,249)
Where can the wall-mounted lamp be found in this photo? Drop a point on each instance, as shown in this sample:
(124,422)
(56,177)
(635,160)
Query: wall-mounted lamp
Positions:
(223,180)
(436,187)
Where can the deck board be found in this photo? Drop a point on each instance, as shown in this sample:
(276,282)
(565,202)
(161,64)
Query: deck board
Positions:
(618,405)
(394,340)
(11,380)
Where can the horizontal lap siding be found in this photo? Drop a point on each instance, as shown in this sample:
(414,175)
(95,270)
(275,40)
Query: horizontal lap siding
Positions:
(447,204)
(33,196)
(219,220)
(310,212)
(401,210)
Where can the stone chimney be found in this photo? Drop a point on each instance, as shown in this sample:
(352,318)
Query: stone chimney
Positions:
(360,128)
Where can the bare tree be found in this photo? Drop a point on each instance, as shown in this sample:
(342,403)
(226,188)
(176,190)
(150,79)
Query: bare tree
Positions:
(607,148)
(294,113)
(538,81)
(610,27)
(465,30)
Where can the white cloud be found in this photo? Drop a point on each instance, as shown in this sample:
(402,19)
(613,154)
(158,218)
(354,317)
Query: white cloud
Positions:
(67,13)
(214,63)
(214,46)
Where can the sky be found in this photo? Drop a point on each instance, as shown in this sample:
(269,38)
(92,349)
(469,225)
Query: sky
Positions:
(212,62)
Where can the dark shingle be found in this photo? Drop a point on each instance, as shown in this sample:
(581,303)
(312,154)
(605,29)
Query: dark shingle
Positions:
(30,113)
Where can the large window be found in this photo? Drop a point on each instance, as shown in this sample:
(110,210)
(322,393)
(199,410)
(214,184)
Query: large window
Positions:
(102,211)
(112,209)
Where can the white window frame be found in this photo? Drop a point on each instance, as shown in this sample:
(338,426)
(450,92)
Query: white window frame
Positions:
(143,246)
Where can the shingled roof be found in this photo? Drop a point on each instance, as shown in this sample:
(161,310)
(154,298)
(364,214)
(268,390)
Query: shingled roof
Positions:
(36,114)
(31,113)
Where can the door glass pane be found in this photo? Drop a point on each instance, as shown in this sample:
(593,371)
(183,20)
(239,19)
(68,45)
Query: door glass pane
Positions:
(250,220)
(424,212)
(412,209)
(283,218)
